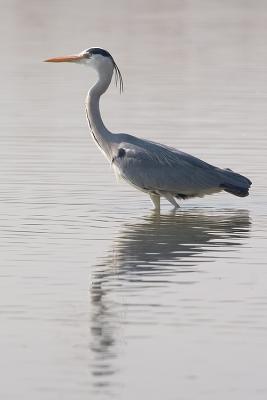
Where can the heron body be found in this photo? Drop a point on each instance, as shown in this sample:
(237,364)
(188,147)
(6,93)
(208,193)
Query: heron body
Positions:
(159,170)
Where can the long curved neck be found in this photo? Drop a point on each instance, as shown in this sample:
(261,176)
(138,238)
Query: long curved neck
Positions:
(101,135)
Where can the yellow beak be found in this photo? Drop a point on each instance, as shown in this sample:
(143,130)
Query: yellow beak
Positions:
(72,58)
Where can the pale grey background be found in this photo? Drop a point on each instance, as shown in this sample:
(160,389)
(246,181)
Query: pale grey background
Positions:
(100,298)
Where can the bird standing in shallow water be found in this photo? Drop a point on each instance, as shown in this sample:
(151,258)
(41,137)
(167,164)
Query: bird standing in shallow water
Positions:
(159,170)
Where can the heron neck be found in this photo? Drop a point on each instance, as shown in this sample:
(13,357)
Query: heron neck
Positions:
(101,135)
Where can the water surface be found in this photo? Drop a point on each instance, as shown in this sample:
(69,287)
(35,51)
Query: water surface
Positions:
(101,297)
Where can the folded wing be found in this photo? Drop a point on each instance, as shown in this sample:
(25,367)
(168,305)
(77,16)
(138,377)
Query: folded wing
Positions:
(155,167)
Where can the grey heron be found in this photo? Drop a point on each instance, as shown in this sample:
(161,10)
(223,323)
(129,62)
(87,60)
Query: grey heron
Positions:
(158,170)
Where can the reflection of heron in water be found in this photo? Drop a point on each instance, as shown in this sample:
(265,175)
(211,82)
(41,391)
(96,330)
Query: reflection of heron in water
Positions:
(158,241)
(158,246)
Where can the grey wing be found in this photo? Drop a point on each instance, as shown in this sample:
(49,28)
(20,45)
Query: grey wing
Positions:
(156,167)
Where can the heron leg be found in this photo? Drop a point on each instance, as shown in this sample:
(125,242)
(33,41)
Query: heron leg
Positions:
(155,198)
(171,199)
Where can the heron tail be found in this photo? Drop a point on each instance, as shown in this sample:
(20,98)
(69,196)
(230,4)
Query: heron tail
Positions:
(236,190)
(234,183)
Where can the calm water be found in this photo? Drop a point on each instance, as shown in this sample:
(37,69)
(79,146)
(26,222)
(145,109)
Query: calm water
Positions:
(100,297)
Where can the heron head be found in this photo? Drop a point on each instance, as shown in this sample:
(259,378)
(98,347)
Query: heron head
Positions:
(95,57)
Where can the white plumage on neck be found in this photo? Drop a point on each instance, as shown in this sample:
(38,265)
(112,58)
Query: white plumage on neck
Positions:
(101,135)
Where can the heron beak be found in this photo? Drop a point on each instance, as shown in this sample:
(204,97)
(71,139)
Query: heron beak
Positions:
(73,58)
